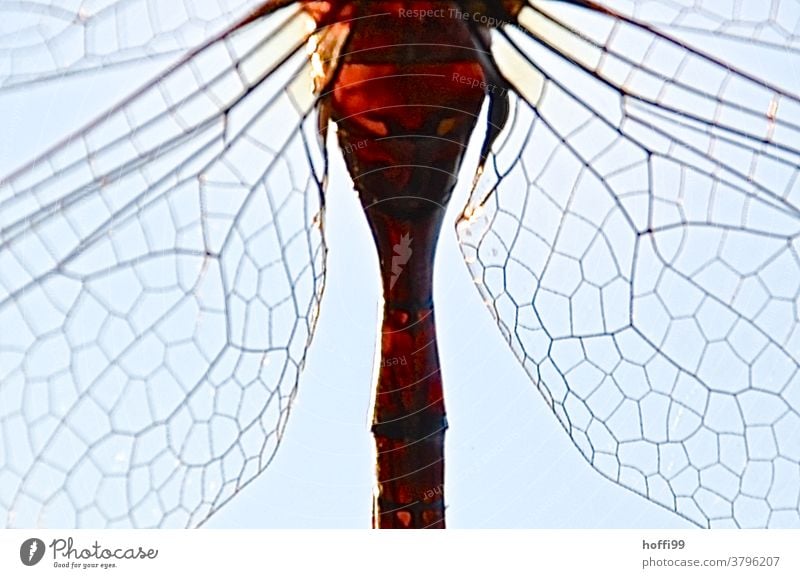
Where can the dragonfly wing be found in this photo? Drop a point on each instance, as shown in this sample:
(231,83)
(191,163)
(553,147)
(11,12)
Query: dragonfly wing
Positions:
(769,24)
(159,279)
(44,39)
(639,252)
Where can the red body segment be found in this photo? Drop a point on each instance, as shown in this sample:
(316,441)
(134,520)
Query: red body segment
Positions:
(404,116)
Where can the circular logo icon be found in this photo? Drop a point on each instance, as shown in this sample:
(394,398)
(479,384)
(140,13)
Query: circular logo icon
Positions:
(32,551)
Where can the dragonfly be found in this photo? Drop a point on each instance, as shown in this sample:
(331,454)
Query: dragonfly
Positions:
(630,226)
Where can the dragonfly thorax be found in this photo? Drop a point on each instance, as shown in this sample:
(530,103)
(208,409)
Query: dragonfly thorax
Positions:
(405,96)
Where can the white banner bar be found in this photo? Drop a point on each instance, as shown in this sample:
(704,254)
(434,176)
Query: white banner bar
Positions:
(401,554)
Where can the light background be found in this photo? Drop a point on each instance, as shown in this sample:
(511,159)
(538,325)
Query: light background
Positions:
(509,462)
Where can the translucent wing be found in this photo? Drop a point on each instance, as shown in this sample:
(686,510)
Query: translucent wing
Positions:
(772,23)
(635,235)
(159,278)
(43,39)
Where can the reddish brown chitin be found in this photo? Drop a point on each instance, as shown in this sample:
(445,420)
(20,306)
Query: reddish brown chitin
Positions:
(406,89)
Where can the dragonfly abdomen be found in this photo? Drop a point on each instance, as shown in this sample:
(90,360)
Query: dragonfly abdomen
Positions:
(405,97)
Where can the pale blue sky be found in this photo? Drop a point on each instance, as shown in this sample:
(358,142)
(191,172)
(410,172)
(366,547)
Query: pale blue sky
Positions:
(509,462)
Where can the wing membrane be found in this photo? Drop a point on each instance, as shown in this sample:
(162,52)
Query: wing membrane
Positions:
(160,275)
(45,39)
(714,109)
(772,23)
(640,258)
